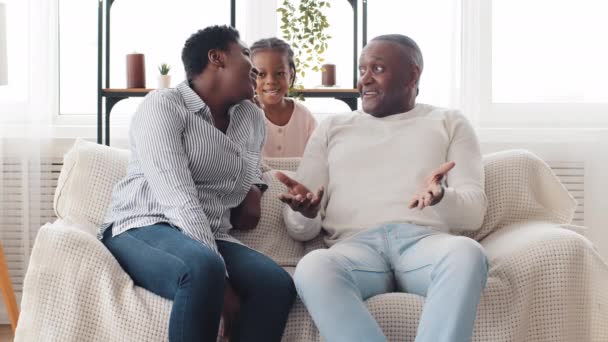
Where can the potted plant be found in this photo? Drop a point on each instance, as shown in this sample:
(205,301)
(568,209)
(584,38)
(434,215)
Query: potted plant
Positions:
(304,26)
(164,79)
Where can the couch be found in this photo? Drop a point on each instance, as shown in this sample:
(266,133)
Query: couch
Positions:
(546,280)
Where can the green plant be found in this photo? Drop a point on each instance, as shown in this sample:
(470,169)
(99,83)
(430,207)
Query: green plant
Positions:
(164,69)
(304,28)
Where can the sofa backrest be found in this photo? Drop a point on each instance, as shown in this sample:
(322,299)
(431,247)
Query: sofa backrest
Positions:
(84,187)
(519,186)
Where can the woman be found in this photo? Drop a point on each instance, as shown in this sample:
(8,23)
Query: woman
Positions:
(194,175)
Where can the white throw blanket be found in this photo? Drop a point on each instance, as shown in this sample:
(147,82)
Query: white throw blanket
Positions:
(546,282)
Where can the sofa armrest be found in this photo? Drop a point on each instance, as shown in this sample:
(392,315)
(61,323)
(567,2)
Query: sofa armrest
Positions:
(74,288)
(523,237)
(67,257)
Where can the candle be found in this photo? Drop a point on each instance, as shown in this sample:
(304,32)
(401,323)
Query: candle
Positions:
(328,75)
(136,71)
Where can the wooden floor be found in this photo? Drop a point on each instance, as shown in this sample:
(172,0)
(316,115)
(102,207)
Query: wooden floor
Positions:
(6,334)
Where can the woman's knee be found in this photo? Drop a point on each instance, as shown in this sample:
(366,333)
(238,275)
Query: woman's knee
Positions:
(202,265)
(283,287)
(273,282)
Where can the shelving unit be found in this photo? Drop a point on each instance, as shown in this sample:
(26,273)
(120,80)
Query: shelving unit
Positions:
(107,97)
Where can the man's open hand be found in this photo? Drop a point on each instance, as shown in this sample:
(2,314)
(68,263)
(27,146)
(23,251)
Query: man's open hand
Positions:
(431,191)
(299,198)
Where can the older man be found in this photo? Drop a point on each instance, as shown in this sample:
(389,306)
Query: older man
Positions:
(390,205)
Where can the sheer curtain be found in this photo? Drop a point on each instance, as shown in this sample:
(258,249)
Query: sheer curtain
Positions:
(25,126)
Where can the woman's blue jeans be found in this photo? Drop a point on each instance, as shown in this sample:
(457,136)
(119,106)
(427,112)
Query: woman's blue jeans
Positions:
(166,262)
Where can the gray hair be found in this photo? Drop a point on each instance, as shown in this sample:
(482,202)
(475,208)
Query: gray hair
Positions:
(409,44)
(406,42)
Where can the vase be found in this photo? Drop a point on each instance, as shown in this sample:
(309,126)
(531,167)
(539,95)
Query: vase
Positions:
(136,71)
(164,81)
(328,75)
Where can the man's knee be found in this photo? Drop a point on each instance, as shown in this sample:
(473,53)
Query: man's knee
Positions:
(468,254)
(317,267)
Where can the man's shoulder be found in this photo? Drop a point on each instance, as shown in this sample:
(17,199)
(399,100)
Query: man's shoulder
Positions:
(450,114)
(343,118)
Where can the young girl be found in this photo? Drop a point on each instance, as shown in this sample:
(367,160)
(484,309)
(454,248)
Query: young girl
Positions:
(288,123)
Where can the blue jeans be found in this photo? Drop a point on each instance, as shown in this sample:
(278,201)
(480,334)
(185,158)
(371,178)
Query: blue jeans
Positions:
(166,262)
(450,271)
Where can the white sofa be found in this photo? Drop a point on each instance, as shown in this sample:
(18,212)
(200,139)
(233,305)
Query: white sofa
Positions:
(547,283)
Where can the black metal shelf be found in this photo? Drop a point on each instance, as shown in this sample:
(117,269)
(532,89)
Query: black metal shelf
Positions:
(111,96)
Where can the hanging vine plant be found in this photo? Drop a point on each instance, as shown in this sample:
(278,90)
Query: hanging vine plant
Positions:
(304,27)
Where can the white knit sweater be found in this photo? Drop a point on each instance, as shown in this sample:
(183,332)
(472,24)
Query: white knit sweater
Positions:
(371,167)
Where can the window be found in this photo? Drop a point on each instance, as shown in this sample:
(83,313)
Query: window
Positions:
(435,26)
(77,57)
(156,29)
(549,51)
(339,52)
(538,63)
(14,54)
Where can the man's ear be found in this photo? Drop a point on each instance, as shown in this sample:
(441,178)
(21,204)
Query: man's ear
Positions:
(415,75)
(217,58)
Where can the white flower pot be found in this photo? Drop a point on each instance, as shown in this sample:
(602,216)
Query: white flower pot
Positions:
(164,81)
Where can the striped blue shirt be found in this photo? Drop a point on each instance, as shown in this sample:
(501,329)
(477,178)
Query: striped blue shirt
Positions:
(183,170)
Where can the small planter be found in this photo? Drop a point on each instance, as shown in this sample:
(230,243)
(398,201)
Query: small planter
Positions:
(164,81)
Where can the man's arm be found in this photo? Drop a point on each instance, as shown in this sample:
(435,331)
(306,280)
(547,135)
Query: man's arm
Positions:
(313,173)
(156,133)
(300,227)
(464,202)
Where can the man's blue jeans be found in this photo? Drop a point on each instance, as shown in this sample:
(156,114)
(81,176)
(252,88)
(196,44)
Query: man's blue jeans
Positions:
(166,262)
(450,271)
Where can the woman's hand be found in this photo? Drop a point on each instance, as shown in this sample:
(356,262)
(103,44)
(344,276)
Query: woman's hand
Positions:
(431,191)
(230,311)
(247,215)
(299,198)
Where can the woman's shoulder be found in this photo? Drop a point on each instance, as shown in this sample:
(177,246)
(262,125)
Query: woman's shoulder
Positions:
(159,103)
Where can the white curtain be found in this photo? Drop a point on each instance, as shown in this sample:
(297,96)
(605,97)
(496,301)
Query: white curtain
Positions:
(25,127)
